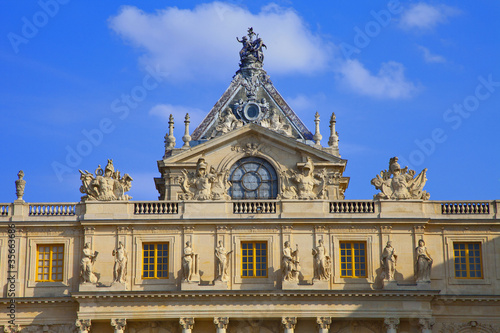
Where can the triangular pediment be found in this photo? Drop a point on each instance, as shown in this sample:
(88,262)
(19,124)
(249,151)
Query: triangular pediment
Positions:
(251,99)
(221,153)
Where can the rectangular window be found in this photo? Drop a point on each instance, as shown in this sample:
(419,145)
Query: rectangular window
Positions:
(155,260)
(253,259)
(49,265)
(468,263)
(353,259)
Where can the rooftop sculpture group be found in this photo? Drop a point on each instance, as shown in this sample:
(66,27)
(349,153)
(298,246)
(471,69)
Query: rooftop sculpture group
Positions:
(204,185)
(402,185)
(107,185)
(305,185)
(251,46)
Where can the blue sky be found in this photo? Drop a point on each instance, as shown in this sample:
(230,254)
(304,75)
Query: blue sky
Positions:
(418,80)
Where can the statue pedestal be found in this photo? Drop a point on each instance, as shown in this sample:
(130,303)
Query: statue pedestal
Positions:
(320,285)
(87,286)
(424,285)
(220,285)
(115,286)
(394,285)
(195,285)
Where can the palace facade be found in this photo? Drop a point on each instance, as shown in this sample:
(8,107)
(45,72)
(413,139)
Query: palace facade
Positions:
(251,234)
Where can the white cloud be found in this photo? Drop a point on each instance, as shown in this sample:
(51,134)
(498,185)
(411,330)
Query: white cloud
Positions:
(429,57)
(201,42)
(423,16)
(389,82)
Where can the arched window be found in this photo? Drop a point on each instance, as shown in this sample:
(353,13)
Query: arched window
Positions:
(253,178)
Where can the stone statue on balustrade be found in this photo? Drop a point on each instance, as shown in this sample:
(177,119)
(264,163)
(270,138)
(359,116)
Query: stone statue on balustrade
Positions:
(106,185)
(87,265)
(402,185)
(190,272)
(290,263)
(226,123)
(20,184)
(221,262)
(120,267)
(275,122)
(322,262)
(305,185)
(388,261)
(204,185)
(423,263)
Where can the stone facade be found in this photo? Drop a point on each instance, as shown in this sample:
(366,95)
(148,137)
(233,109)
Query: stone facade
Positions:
(251,234)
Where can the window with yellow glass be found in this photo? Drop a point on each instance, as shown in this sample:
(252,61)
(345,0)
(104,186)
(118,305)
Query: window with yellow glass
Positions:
(155,260)
(468,264)
(50,262)
(253,259)
(353,259)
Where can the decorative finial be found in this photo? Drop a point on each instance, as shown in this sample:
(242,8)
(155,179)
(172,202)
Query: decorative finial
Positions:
(186,138)
(333,142)
(171,137)
(317,135)
(20,184)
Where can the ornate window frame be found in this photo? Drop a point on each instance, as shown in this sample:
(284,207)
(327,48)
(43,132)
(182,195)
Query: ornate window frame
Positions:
(138,240)
(370,276)
(263,282)
(68,261)
(450,260)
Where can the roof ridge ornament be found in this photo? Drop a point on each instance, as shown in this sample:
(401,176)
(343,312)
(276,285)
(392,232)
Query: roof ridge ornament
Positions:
(251,54)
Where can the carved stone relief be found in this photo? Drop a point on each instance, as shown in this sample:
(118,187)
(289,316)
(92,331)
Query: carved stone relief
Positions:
(322,262)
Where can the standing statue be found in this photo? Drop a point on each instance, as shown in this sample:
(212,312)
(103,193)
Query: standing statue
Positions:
(87,265)
(290,263)
(189,264)
(388,261)
(105,186)
(402,185)
(423,263)
(120,268)
(307,185)
(221,259)
(204,185)
(322,262)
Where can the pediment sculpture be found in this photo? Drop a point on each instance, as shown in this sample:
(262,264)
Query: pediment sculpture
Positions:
(204,185)
(305,185)
(403,184)
(106,185)
(276,123)
(226,123)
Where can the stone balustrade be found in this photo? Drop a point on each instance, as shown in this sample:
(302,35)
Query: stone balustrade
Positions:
(259,209)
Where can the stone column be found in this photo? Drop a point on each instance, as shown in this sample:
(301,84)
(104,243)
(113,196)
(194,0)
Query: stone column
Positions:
(83,325)
(119,325)
(391,324)
(187,324)
(426,324)
(221,324)
(323,324)
(289,324)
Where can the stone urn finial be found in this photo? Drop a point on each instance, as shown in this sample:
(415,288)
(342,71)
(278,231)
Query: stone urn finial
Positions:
(20,184)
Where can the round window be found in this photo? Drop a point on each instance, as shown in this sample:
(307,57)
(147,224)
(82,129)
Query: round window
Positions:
(253,178)
(252,111)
